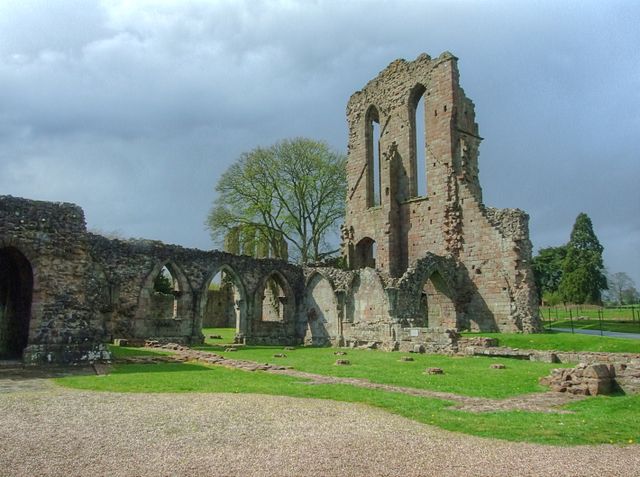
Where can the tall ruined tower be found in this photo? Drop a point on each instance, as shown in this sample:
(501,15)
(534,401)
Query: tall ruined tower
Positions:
(390,225)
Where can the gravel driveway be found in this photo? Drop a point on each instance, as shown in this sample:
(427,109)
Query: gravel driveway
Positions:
(52,431)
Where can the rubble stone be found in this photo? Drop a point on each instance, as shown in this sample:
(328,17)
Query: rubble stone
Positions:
(434,371)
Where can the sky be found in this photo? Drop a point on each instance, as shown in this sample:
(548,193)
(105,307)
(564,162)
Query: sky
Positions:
(133,109)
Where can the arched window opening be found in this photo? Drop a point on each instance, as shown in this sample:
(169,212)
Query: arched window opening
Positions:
(418,144)
(274,299)
(372,136)
(221,316)
(438,309)
(166,291)
(366,251)
(16,290)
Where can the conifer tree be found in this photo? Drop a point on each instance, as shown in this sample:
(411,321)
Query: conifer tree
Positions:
(583,276)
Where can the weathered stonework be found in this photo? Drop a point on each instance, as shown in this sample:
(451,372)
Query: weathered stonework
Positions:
(49,244)
(86,290)
(421,267)
(458,262)
(596,378)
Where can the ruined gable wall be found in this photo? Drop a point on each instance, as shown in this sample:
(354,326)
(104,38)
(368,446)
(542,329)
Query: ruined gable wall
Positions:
(405,226)
(494,285)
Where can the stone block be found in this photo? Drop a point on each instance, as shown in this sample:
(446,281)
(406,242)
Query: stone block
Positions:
(434,371)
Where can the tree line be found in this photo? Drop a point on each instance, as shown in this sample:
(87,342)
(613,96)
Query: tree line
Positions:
(575,273)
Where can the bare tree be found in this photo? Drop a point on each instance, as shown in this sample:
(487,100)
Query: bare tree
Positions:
(622,289)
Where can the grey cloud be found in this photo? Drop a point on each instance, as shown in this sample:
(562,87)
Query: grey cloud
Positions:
(133,109)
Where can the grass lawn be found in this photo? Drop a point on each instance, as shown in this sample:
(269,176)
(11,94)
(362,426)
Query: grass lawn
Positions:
(564,342)
(590,324)
(227,334)
(595,420)
(624,313)
(470,376)
(125,352)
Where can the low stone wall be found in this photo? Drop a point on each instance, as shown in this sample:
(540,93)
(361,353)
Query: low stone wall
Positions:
(548,356)
(479,341)
(428,340)
(593,379)
(89,352)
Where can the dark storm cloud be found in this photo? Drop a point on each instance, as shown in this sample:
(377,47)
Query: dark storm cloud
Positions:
(133,109)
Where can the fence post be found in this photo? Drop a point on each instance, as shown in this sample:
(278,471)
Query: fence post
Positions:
(571,319)
(600,314)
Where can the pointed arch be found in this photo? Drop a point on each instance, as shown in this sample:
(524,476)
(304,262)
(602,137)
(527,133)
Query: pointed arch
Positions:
(372,147)
(366,252)
(274,299)
(176,304)
(418,141)
(232,298)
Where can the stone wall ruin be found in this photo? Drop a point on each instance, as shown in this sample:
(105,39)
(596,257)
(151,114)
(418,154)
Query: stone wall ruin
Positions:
(420,267)
(451,261)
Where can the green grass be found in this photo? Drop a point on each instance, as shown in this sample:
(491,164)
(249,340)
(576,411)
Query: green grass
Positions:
(227,334)
(589,324)
(564,342)
(594,421)
(470,376)
(127,352)
(625,313)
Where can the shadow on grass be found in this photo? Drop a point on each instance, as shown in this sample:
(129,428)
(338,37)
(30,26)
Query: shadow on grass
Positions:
(220,348)
(158,368)
(129,351)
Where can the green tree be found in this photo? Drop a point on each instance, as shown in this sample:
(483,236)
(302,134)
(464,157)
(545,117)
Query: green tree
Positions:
(547,270)
(163,282)
(294,189)
(583,276)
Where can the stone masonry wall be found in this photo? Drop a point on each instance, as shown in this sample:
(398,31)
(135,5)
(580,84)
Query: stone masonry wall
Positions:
(219,311)
(131,266)
(63,323)
(88,290)
(493,284)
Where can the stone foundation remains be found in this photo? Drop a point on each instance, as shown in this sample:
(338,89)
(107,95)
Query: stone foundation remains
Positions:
(593,379)
(421,264)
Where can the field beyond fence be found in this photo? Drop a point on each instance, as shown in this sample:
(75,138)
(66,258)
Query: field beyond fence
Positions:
(622,319)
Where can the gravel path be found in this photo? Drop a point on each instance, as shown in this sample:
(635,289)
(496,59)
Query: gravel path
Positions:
(46,430)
